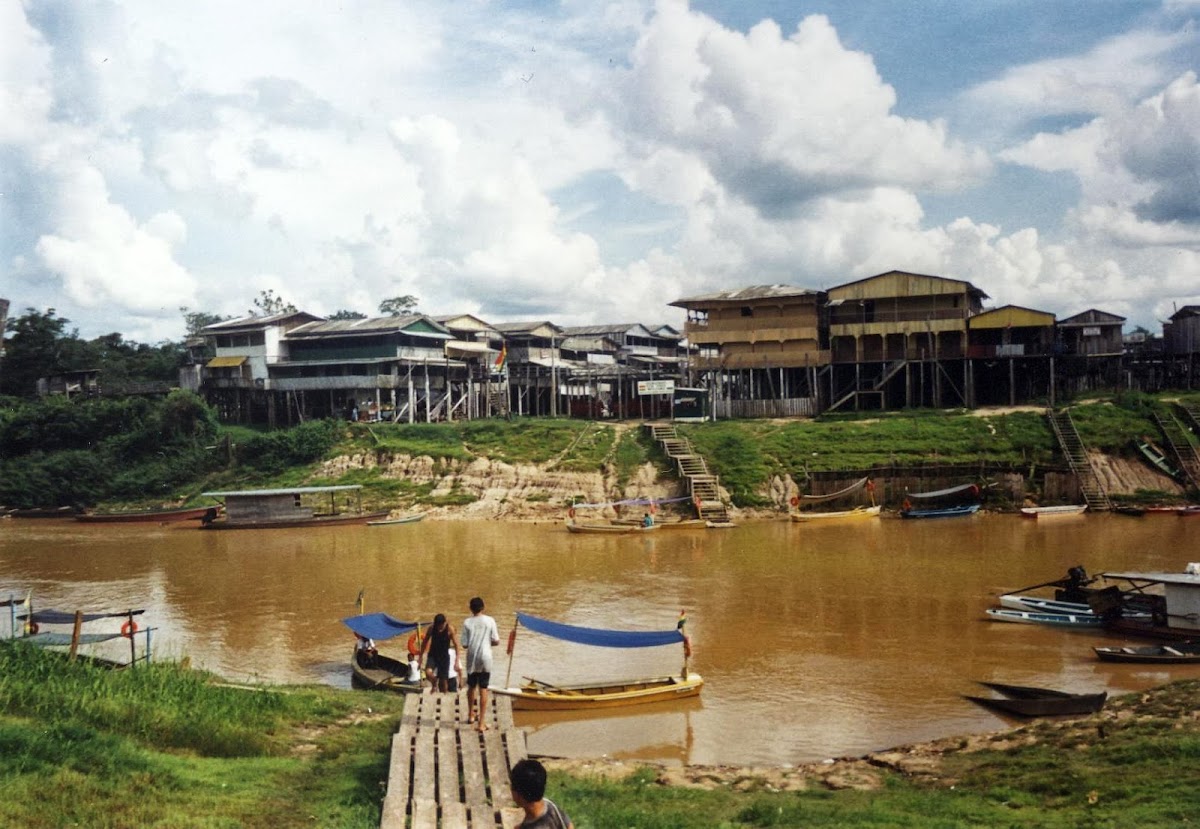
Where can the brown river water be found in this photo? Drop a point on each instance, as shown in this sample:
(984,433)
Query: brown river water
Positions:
(814,641)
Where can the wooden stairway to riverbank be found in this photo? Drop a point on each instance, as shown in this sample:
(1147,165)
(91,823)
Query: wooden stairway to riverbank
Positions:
(703,486)
(1072,446)
(446,774)
(1181,447)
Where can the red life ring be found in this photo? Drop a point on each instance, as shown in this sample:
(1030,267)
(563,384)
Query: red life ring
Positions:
(31,628)
(794,500)
(571,511)
(129,628)
(512,641)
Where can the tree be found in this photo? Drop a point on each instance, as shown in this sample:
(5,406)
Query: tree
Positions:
(197,321)
(347,315)
(268,304)
(35,348)
(399,306)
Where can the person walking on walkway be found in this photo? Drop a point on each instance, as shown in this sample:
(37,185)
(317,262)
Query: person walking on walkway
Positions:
(436,649)
(479,636)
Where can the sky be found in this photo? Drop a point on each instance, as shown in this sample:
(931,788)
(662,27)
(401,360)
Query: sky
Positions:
(589,162)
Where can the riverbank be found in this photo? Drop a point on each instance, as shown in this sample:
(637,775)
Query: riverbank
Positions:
(164,745)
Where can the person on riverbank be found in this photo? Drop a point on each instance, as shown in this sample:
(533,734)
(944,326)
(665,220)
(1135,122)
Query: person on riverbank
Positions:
(479,636)
(436,650)
(528,782)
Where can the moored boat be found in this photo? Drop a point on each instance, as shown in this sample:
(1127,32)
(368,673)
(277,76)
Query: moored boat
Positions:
(377,671)
(941,512)
(411,518)
(538,695)
(1173,654)
(610,529)
(1027,701)
(1053,512)
(145,516)
(260,509)
(857,512)
(1032,617)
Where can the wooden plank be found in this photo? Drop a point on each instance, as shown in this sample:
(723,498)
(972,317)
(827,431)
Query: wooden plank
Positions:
(395,811)
(454,815)
(497,767)
(514,743)
(424,814)
(424,782)
(503,708)
(447,765)
(474,787)
(399,770)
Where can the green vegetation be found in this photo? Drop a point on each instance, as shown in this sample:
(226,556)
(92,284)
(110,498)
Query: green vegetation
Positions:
(138,452)
(161,745)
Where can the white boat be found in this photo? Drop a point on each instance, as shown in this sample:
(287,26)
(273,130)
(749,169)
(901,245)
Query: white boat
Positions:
(1015,601)
(1053,512)
(411,518)
(1031,617)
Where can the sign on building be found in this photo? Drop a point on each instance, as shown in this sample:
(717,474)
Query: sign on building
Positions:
(655,386)
(689,404)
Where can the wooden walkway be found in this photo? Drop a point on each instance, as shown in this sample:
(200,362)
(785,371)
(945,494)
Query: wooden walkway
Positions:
(445,774)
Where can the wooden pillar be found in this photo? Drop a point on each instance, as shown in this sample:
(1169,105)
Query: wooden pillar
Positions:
(1012,386)
(428,407)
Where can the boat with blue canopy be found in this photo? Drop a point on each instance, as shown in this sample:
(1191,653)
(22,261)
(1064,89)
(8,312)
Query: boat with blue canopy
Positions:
(538,695)
(951,502)
(374,670)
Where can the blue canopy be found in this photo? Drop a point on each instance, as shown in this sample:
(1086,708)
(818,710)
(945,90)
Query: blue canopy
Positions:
(380,626)
(599,636)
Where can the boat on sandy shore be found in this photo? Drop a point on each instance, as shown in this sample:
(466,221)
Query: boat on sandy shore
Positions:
(1053,512)
(1027,701)
(1177,653)
(411,518)
(838,515)
(610,529)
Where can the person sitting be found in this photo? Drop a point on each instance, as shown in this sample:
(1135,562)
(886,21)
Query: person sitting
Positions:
(365,651)
(414,668)
(647,520)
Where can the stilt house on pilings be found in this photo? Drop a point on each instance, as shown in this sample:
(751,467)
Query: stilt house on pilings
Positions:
(760,350)
(900,339)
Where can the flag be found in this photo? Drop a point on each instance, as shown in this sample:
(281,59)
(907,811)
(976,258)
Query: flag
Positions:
(502,356)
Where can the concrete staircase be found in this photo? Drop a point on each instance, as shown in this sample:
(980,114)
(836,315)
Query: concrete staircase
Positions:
(1181,447)
(1077,457)
(703,486)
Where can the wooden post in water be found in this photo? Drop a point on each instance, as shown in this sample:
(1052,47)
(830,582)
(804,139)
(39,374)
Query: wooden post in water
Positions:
(75,635)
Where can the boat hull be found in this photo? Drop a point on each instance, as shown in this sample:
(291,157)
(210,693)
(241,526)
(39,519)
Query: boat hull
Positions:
(609,529)
(384,674)
(1053,512)
(1178,654)
(540,696)
(403,519)
(147,516)
(841,515)
(944,512)
(1030,617)
(316,521)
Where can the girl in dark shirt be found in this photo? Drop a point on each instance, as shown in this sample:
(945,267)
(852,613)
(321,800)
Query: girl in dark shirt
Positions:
(436,648)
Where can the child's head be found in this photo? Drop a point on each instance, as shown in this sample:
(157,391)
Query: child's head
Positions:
(476,605)
(528,781)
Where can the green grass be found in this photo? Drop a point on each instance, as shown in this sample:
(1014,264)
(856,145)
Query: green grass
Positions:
(160,745)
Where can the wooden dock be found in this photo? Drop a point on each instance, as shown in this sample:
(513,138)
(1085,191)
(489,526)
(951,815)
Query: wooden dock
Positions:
(446,774)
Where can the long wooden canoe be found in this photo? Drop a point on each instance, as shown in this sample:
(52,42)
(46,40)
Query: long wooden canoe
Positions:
(1032,617)
(609,529)
(382,674)
(941,512)
(411,518)
(857,512)
(145,516)
(337,519)
(535,695)
(1026,701)
(1053,512)
(1175,654)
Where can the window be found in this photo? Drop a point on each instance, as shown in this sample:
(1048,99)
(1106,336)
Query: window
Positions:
(747,311)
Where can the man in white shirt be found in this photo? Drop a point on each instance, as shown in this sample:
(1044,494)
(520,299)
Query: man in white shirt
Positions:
(479,634)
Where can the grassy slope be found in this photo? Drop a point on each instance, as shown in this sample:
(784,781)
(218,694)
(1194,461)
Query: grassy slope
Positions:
(164,746)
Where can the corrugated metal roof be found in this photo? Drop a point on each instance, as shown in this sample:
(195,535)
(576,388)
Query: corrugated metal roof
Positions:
(297,490)
(1090,317)
(254,323)
(750,293)
(524,327)
(371,326)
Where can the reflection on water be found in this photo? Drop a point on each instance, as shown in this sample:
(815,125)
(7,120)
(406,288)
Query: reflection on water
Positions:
(814,641)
